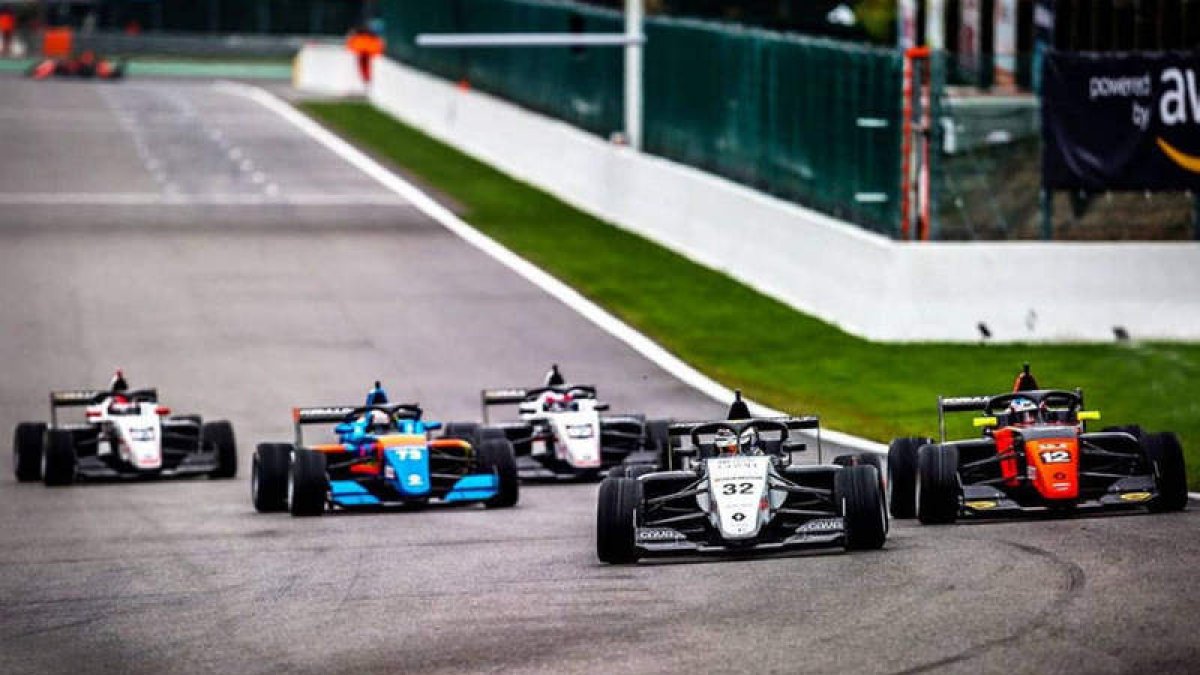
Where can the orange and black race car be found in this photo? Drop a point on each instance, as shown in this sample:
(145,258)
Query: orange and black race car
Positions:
(1035,456)
(87,65)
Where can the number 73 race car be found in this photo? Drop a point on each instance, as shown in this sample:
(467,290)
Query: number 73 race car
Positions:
(124,434)
(384,455)
(1036,455)
(731,487)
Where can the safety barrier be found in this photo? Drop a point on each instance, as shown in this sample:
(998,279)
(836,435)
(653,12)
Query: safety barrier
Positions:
(866,284)
(328,69)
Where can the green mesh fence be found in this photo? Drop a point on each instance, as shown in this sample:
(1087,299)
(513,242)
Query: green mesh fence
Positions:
(811,120)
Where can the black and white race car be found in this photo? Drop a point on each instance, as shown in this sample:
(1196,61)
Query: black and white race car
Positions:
(731,487)
(561,432)
(124,434)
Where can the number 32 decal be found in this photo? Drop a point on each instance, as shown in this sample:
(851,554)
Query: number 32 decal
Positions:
(737,488)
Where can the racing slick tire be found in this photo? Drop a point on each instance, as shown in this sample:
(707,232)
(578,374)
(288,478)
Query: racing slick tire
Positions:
(269,477)
(308,484)
(219,436)
(1170,474)
(467,431)
(937,489)
(619,471)
(496,454)
(618,504)
(858,492)
(28,439)
(902,476)
(58,460)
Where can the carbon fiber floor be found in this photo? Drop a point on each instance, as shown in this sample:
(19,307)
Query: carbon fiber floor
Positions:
(132,233)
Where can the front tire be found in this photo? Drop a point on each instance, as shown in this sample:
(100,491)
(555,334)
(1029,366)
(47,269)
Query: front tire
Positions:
(937,484)
(902,476)
(269,477)
(219,437)
(495,455)
(1170,474)
(28,439)
(861,500)
(58,461)
(309,484)
(617,509)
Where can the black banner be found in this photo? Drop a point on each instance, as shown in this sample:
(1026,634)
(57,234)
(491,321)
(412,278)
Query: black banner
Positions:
(1121,121)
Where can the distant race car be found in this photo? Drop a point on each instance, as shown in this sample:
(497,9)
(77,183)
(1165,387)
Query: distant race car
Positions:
(561,433)
(384,456)
(87,66)
(1035,456)
(125,434)
(732,488)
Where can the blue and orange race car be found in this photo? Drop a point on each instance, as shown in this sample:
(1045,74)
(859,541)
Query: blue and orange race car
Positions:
(384,456)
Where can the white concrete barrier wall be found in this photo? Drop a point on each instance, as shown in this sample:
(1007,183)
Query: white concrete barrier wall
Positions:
(868,285)
(328,69)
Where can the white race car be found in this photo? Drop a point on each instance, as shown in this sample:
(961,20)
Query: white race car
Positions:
(124,434)
(561,432)
(733,488)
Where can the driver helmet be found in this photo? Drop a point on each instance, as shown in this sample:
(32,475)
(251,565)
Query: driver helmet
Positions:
(378,421)
(1022,411)
(748,442)
(118,385)
(725,442)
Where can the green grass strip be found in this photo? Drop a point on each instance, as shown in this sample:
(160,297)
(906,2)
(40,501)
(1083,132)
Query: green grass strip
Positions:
(777,355)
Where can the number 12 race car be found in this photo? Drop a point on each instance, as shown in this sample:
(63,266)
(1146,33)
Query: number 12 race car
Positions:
(561,432)
(383,456)
(1036,456)
(736,490)
(125,434)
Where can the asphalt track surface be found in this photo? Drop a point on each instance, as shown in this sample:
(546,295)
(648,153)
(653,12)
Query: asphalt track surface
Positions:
(189,235)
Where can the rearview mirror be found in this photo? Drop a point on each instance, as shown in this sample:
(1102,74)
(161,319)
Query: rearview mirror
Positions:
(343,428)
(685,452)
(985,422)
(793,446)
(433,426)
(600,406)
(1085,415)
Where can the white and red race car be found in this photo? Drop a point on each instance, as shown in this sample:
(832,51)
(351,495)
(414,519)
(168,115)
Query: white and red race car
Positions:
(561,433)
(124,434)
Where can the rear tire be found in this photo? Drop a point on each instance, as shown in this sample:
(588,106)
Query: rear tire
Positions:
(937,484)
(615,514)
(495,455)
(1170,474)
(219,437)
(28,439)
(861,501)
(309,484)
(269,477)
(465,431)
(902,476)
(58,461)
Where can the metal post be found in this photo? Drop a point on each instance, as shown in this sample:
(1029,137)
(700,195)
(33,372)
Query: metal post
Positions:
(1196,216)
(1046,197)
(633,73)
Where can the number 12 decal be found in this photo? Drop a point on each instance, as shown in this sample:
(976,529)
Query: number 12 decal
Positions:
(737,488)
(1056,457)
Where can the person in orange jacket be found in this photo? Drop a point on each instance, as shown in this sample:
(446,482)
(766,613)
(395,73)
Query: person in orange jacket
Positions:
(366,45)
(8,26)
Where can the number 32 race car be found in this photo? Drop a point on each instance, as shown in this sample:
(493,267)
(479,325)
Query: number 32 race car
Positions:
(1035,456)
(736,490)
(384,456)
(125,434)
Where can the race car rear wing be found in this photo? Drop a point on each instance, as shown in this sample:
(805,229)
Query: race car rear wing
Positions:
(678,431)
(515,395)
(75,398)
(336,413)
